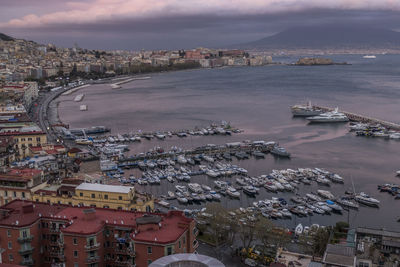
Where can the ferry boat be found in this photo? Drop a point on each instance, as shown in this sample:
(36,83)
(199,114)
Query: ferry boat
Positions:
(331,116)
(305,110)
(280,151)
(369,56)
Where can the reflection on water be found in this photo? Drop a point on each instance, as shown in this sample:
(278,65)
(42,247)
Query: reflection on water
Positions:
(257,100)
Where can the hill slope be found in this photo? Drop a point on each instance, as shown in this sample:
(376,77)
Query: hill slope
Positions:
(329,36)
(4,37)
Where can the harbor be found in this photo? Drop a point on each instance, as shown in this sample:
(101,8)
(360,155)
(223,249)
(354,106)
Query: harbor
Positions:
(324,146)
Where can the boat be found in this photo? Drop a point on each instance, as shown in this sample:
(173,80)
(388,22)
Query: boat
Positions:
(369,56)
(323,180)
(181,188)
(326,194)
(232,192)
(270,187)
(347,203)
(170,179)
(195,188)
(398,173)
(280,151)
(215,195)
(258,154)
(171,195)
(212,173)
(335,207)
(181,159)
(365,199)
(206,187)
(299,229)
(249,190)
(313,197)
(336,178)
(79,98)
(331,116)
(182,200)
(83,141)
(305,110)
(83,107)
(220,184)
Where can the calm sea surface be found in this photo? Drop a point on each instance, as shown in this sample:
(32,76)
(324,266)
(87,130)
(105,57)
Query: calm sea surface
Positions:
(257,99)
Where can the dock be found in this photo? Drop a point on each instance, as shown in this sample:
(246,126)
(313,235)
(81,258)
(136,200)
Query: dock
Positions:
(363,119)
(116,85)
(206,150)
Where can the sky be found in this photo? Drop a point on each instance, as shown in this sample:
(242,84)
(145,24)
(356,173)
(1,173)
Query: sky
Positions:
(176,24)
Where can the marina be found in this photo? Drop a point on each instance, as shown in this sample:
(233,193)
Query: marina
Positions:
(165,103)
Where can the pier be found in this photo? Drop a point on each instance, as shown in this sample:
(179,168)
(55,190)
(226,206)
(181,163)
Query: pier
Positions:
(363,119)
(207,150)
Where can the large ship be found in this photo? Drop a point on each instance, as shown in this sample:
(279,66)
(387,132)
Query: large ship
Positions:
(305,110)
(331,116)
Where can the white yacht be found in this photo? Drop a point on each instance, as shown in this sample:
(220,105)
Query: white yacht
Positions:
(194,187)
(233,192)
(331,116)
(326,194)
(363,198)
(305,110)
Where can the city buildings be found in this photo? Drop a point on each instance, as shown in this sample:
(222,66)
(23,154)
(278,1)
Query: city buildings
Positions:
(59,235)
(19,184)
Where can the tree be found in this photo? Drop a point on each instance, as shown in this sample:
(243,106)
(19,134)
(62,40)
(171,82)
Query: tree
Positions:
(320,241)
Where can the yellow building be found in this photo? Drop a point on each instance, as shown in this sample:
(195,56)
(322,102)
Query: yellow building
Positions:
(26,139)
(96,195)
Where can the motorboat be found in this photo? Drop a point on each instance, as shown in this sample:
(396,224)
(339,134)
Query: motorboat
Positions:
(313,197)
(249,190)
(194,187)
(331,116)
(182,200)
(171,195)
(336,178)
(299,229)
(205,187)
(335,207)
(215,195)
(280,151)
(232,192)
(323,180)
(347,203)
(326,194)
(181,188)
(305,110)
(365,199)
(369,56)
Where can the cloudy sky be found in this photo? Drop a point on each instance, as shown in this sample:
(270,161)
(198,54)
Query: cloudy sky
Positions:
(157,24)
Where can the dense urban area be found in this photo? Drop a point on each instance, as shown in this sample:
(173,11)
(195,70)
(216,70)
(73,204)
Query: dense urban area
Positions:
(55,213)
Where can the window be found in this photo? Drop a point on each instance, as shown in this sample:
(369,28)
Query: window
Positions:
(9,233)
(6,193)
(179,244)
(9,245)
(149,262)
(30,139)
(81,194)
(169,250)
(120,197)
(10,257)
(75,241)
(105,196)
(184,240)
(75,254)
(15,194)
(22,139)
(149,250)
(37,139)
(23,194)
(93,196)
(76,264)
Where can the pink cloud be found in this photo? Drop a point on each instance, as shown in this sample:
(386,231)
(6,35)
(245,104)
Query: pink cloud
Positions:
(101,10)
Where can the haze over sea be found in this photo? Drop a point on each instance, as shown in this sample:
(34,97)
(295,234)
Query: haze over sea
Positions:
(257,99)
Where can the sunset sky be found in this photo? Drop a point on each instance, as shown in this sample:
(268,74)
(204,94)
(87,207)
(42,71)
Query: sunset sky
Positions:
(152,24)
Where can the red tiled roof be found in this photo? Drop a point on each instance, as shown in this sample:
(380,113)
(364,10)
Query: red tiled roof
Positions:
(22,175)
(86,223)
(74,150)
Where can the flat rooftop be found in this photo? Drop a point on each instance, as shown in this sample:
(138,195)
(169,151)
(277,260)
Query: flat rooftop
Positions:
(105,188)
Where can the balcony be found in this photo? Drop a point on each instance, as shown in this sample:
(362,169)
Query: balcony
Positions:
(125,251)
(54,230)
(57,254)
(124,263)
(25,251)
(56,243)
(27,262)
(92,246)
(94,259)
(195,244)
(25,239)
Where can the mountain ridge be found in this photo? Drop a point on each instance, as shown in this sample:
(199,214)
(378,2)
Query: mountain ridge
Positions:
(328,36)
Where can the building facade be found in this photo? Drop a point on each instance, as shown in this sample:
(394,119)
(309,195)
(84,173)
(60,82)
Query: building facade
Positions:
(40,234)
(96,195)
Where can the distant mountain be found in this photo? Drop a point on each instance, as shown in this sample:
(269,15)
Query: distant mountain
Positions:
(4,37)
(328,36)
